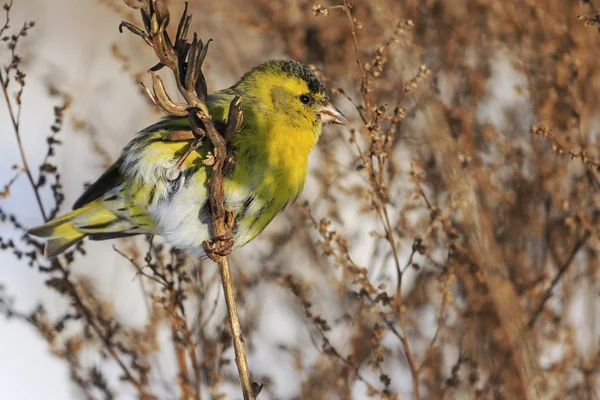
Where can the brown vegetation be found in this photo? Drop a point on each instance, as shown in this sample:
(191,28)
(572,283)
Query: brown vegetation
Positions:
(446,236)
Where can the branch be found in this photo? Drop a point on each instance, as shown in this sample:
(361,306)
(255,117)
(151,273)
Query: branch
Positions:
(564,266)
(62,284)
(19,78)
(70,289)
(185,60)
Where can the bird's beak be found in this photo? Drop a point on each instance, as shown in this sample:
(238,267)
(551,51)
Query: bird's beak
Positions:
(331,115)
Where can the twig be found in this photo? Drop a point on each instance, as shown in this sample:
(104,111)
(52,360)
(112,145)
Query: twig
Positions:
(63,283)
(185,60)
(321,326)
(412,362)
(6,190)
(559,148)
(440,323)
(110,346)
(376,180)
(561,271)
(4,82)
(363,75)
(140,270)
(184,380)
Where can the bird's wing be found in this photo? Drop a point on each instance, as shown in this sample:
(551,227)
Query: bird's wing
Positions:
(108,180)
(166,129)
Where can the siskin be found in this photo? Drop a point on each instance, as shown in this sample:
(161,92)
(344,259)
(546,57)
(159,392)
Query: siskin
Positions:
(284,107)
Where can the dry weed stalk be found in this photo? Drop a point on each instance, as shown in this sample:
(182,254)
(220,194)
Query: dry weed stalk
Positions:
(62,283)
(185,60)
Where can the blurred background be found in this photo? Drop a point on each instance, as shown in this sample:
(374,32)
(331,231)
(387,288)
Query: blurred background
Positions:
(445,246)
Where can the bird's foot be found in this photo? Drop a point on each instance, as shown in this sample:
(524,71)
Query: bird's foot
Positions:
(220,246)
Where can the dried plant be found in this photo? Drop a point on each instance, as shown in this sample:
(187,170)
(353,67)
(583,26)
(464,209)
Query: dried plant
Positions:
(446,245)
(185,60)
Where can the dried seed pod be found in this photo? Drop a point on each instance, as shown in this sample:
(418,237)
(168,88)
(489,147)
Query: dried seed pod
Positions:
(162,11)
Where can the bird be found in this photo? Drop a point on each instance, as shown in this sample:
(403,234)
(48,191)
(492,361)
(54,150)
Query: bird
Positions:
(284,108)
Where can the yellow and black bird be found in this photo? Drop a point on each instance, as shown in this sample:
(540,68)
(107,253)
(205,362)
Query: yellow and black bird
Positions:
(284,108)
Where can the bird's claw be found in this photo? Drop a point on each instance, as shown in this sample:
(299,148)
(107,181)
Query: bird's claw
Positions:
(218,247)
(221,246)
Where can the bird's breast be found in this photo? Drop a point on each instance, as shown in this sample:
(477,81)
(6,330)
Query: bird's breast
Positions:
(271,168)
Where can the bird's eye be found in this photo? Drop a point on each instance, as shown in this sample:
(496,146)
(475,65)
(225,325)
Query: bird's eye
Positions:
(304,99)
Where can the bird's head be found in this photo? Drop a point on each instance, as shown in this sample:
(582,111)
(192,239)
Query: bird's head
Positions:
(290,90)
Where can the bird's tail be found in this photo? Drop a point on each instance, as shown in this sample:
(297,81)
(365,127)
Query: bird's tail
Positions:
(65,231)
(60,232)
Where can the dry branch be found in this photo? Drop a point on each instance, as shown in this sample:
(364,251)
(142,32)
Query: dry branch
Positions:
(64,283)
(185,60)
